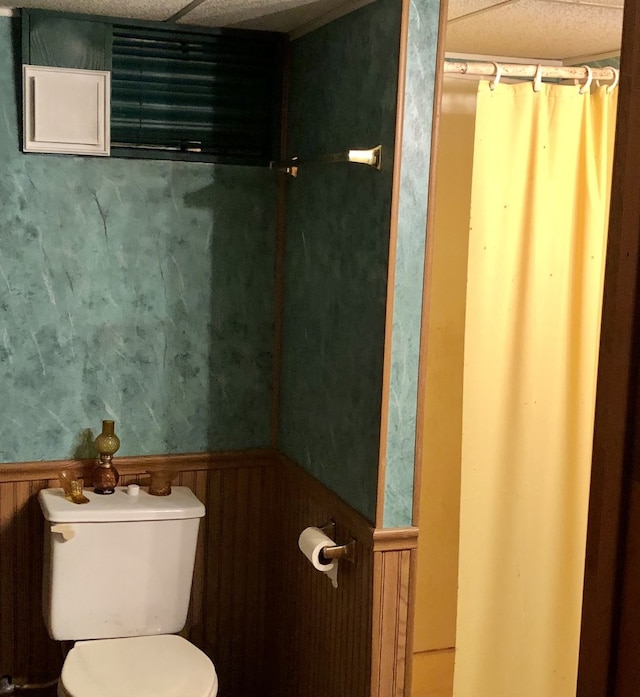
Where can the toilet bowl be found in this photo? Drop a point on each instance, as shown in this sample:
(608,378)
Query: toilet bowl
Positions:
(151,666)
(117,578)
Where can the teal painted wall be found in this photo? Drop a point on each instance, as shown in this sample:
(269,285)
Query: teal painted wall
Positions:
(409,267)
(143,291)
(136,290)
(342,95)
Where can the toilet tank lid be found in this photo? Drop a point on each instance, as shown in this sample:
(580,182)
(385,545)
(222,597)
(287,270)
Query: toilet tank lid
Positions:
(120,506)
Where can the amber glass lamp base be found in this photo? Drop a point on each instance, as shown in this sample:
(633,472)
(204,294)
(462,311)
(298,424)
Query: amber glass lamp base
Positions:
(105,476)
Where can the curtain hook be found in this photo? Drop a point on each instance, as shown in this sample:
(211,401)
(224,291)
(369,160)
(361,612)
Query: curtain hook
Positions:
(496,79)
(616,80)
(537,80)
(587,83)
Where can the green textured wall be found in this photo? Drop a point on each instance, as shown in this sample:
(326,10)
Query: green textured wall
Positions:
(342,95)
(135,290)
(422,44)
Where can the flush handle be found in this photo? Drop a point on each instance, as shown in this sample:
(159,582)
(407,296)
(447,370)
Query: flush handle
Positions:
(66,531)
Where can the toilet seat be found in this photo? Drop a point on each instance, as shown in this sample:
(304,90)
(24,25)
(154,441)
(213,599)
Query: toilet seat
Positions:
(151,666)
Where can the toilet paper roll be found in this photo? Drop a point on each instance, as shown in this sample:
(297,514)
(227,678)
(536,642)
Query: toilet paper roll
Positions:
(311,542)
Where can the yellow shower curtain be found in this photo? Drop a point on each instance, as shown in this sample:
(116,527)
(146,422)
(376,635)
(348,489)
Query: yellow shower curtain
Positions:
(539,211)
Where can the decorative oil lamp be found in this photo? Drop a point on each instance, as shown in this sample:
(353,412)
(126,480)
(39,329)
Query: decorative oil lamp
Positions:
(105,476)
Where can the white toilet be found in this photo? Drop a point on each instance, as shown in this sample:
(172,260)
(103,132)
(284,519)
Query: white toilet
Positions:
(117,581)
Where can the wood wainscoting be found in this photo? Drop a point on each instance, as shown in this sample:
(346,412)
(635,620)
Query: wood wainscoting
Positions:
(394,565)
(320,635)
(273,626)
(353,640)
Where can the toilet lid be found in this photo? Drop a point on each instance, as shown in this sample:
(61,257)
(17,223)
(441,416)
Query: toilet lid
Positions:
(152,666)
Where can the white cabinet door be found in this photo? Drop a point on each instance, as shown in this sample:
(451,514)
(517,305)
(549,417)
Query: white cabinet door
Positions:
(66,110)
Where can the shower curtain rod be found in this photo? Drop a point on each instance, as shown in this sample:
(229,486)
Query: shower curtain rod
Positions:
(519,70)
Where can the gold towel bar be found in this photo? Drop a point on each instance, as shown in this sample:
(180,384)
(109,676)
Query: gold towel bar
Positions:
(371,157)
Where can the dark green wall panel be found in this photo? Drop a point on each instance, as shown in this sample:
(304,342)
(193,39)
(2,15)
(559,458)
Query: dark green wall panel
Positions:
(343,95)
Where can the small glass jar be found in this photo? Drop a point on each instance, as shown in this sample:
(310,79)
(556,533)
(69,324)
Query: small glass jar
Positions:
(160,483)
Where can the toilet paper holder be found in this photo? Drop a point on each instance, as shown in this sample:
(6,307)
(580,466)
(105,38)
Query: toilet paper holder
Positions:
(346,552)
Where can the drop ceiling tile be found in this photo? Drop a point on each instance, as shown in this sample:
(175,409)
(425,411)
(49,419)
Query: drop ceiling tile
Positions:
(270,15)
(606,3)
(224,13)
(460,8)
(538,29)
(140,9)
(293,18)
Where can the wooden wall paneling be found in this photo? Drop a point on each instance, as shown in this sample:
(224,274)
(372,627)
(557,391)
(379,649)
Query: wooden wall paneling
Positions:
(353,640)
(627,659)
(235,561)
(391,646)
(138,465)
(7,577)
(194,628)
(25,648)
(29,532)
(212,567)
(320,636)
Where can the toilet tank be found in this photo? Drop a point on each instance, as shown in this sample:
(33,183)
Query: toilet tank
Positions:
(119,566)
